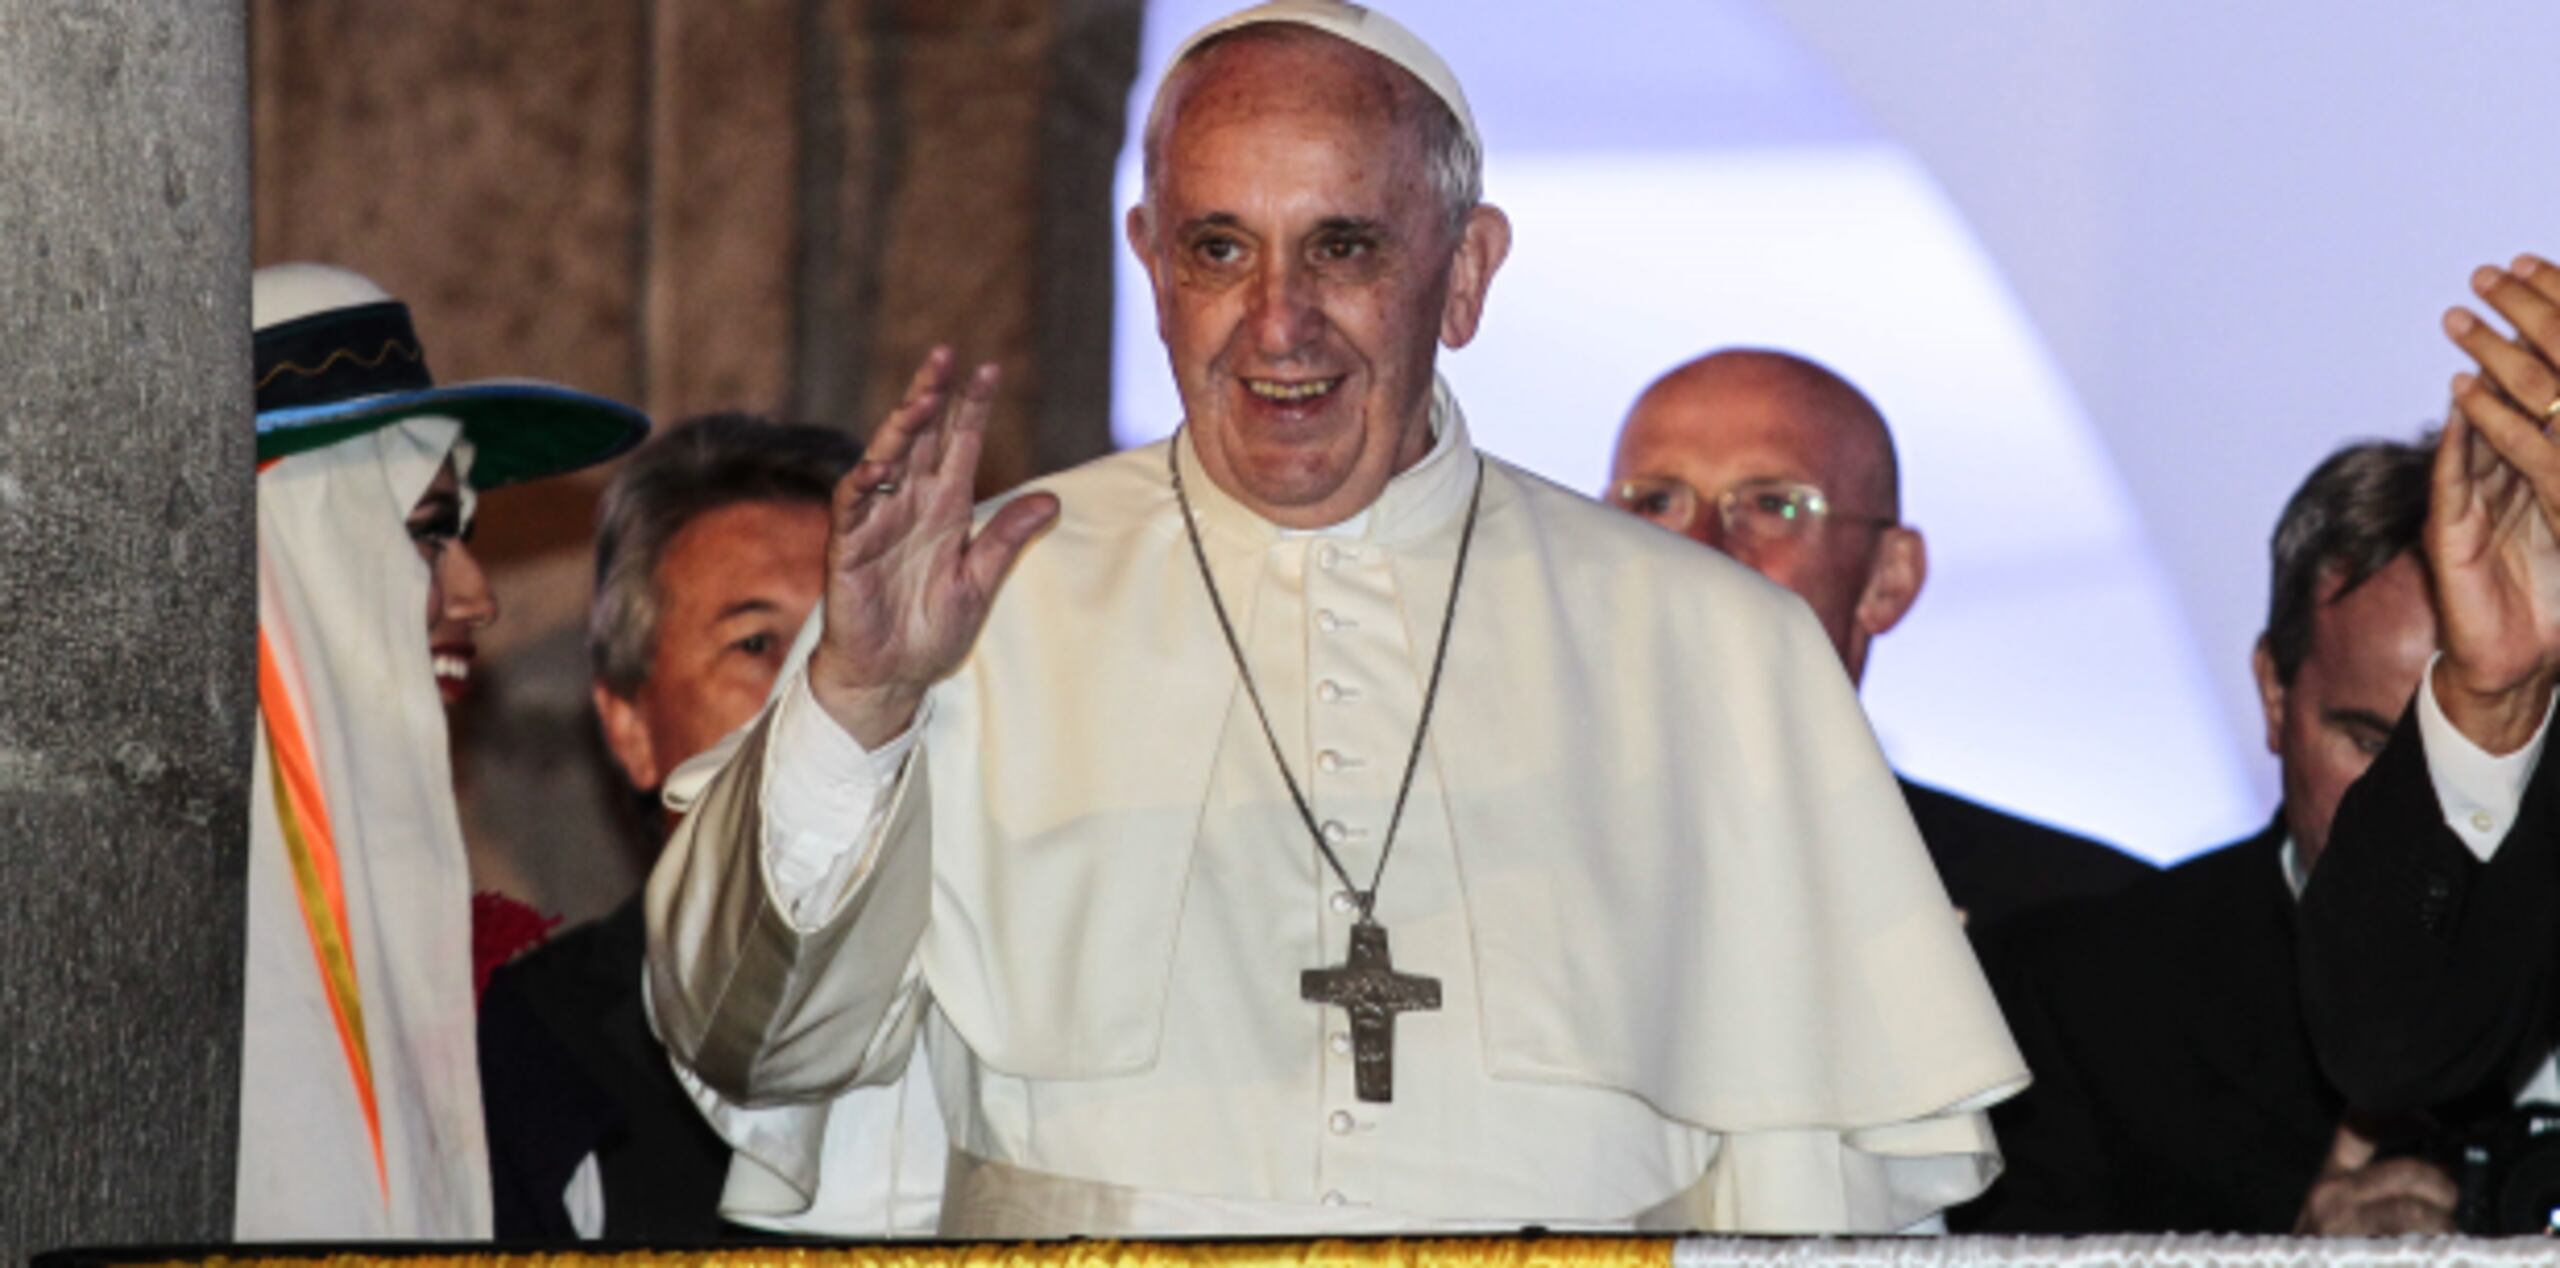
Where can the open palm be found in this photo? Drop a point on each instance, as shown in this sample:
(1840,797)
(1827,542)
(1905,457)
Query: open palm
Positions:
(2491,521)
(2496,562)
(908,583)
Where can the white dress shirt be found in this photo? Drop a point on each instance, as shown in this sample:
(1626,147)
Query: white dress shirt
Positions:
(2480,793)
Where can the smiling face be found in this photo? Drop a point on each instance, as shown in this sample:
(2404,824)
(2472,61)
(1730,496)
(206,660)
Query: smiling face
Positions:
(459,602)
(733,587)
(1305,271)
(2366,653)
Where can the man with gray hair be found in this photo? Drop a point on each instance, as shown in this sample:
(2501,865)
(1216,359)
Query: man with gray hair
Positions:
(1116,851)
(710,553)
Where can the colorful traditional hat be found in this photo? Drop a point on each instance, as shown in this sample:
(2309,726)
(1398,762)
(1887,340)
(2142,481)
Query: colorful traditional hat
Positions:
(336,357)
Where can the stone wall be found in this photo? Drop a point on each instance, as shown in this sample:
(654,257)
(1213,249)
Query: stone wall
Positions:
(127,612)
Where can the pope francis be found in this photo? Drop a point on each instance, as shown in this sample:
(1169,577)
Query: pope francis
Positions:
(1313,823)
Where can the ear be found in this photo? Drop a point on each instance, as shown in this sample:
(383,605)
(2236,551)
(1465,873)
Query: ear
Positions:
(2262,664)
(1893,584)
(1482,246)
(1140,230)
(627,734)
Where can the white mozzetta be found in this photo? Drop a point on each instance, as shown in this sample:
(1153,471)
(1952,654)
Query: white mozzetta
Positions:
(1697,970)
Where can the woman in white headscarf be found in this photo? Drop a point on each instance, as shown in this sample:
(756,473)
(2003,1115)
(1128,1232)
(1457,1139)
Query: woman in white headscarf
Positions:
(360,1104)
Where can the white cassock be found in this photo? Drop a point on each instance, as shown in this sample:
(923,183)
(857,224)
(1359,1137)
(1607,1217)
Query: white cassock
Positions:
(1696,969)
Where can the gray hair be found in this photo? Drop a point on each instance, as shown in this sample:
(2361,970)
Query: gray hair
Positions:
(1452,163)
(692,469)
(2362,507)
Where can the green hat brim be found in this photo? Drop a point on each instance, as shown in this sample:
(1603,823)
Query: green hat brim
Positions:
(519,429)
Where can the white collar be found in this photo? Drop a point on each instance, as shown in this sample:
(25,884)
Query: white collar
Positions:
(1420,499)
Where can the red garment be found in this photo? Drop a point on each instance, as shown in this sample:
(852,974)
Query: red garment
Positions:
(502,928)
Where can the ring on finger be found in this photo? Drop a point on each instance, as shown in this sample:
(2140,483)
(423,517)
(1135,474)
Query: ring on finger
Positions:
(885,487)
(2551,412)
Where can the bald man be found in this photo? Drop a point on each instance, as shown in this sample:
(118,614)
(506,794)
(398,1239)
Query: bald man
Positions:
(1789,468)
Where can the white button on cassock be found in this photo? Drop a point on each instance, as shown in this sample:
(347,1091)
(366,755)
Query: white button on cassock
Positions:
(1328,760)
(1343,903)
(1328,691)
(1340,1122)
(1334,1198)
(1327,621)
(2480,819)
(1340,1043)
(1334,831)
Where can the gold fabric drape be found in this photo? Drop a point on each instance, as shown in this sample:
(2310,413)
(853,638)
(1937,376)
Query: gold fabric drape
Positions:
(1384,1253)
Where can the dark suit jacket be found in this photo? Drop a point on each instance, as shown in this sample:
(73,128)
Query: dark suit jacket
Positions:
(2429,976)
(2175,1088)
(568,1067)
(1996,865)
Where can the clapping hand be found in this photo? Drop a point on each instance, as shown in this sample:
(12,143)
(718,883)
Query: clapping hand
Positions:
(2491,522)
(2356,1196)
(908,583)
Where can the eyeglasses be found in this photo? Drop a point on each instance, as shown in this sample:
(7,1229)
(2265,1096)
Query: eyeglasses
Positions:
(1760,510)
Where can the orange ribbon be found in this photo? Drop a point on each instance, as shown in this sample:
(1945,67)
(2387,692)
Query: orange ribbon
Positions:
(303,816)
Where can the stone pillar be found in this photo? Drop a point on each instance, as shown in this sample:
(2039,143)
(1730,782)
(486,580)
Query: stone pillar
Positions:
(957,167)
(127,611)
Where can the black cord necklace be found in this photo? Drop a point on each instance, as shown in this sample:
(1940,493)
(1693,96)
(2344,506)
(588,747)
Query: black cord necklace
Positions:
(1366,984)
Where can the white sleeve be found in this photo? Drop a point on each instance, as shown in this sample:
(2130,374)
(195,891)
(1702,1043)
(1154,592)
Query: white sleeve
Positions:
(584,1199)
(2479,793)
(824,799)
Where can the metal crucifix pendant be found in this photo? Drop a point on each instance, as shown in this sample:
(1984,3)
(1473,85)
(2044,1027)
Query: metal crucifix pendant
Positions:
(1367,986)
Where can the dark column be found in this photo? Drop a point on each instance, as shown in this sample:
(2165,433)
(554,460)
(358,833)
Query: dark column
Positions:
(1093,56)
(127,608)
(957,166)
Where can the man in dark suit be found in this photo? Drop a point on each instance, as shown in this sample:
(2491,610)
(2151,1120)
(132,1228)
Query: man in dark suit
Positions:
(710,552)
(1789,468)
(2431,943)
(2175,1086)
(2430,973)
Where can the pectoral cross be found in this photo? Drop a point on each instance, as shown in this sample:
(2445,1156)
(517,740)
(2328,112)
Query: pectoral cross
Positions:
(1367,986)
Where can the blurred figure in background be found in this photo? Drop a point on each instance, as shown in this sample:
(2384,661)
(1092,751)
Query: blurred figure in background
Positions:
(359,1116)
(2176,1087)
(1789,468)
(710,553)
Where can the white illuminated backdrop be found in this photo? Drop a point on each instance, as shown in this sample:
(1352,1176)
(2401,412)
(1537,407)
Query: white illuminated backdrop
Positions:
(1686,175)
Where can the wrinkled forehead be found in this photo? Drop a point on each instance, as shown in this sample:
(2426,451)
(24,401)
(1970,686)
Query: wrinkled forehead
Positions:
(1396,51)
(1264,73)
(2381,628)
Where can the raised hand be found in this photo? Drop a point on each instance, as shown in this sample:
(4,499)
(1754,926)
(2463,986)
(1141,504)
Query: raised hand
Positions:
(908,584)
(2496,504)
